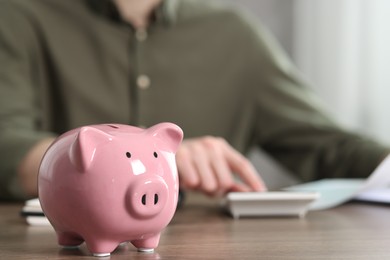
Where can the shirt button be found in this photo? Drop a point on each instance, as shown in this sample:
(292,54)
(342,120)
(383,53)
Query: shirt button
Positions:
(141,35)
(143,82)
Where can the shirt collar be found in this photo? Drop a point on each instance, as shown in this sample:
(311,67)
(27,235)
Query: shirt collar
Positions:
(165,13)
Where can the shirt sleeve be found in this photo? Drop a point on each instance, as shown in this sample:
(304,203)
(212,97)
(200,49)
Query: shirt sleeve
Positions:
(19,109)
(293,126)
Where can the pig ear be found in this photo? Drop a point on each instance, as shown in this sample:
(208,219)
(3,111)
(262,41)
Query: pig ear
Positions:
(169,133)
(83,149)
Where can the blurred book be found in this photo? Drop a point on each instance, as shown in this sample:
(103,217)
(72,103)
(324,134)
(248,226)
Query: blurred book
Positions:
(33,214)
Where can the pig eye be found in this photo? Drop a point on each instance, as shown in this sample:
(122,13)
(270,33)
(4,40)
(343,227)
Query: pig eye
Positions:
(155,154)
(128,155)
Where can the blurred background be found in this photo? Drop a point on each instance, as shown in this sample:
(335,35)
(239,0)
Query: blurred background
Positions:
(342,48)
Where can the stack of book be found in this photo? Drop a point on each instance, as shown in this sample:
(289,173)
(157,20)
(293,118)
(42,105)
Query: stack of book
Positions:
(33,213)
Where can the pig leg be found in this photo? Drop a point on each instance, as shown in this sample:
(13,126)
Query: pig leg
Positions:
(69,240)
(148,244)
(99,247)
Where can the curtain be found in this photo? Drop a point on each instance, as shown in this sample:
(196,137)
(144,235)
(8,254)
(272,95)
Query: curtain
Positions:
(343,49)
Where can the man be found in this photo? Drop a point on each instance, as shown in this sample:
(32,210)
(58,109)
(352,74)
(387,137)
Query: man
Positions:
(210,69)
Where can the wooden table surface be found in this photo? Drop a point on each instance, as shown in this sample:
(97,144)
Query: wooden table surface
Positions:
(200,230)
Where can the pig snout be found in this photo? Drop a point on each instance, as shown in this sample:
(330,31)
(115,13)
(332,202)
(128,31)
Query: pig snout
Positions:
(148,197)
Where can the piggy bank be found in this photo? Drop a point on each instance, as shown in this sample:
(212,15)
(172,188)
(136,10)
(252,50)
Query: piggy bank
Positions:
(110,183)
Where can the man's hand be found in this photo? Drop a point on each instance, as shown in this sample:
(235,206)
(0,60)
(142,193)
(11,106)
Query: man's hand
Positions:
(208,164)
(29,166)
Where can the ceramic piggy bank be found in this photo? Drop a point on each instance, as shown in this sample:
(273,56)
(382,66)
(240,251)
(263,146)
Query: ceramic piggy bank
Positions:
(108,184)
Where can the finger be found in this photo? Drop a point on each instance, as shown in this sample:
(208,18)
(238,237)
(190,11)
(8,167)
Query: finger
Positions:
(223,176)
(222,173)
(204,171)
(188,176)
(244,169)
(240,187)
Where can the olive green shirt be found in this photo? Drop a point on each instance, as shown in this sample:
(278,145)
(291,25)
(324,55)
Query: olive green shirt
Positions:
(204,65)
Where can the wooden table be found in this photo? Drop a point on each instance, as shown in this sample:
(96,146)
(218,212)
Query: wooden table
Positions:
(201,231)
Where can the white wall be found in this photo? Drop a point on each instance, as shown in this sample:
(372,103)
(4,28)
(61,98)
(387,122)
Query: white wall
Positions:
(343,47)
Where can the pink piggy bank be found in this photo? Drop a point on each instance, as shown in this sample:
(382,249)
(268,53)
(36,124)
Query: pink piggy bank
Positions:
(108,184)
